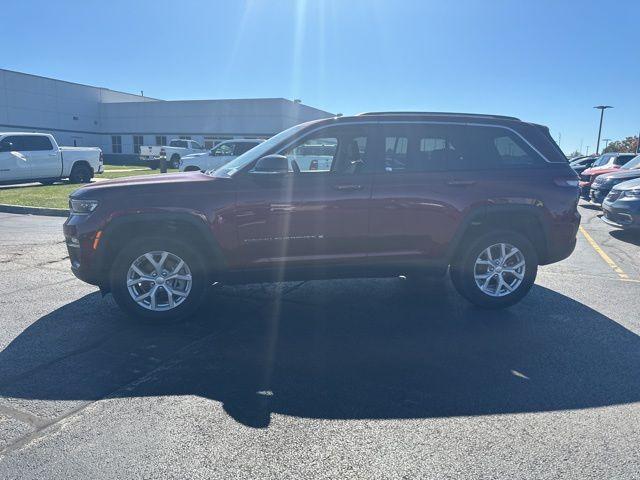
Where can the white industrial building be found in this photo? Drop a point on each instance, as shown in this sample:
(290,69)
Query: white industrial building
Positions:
(119,123)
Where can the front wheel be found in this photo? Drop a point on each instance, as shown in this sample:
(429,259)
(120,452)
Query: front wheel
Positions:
(175,161)
(159,280)
(495,270)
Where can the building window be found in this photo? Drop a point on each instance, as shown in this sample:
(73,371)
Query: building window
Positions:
(116,144)
(161,140)
(137,143)
(184,137)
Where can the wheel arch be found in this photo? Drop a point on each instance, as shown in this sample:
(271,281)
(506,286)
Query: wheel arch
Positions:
(525,219)
(187,227)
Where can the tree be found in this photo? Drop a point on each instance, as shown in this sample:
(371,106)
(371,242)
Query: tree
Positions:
(574,154)
(628,145)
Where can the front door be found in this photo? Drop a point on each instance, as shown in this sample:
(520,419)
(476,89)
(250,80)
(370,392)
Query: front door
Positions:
(14,162)
(309,216)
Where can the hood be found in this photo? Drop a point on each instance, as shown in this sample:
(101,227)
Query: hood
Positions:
(142,182)
(600,170)
(628,185)
(622,174)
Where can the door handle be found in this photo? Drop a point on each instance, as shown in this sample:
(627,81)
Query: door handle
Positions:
(346,188)
(461,183)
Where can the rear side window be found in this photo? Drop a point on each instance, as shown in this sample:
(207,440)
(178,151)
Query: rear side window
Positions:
(178,143)
(496,147)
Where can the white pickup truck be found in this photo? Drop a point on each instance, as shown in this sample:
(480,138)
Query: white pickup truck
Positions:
(173,152)
(36,157)
(219,155)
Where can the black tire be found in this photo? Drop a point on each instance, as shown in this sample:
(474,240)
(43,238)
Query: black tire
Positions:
(192,258)
(47,182)
(463,270)
(192,169)
(81,173)
(175,161)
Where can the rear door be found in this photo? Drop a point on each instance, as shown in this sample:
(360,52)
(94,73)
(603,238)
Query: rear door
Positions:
(417,203)
(43,157)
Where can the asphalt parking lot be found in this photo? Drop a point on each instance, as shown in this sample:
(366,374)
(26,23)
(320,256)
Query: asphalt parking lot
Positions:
(330,379)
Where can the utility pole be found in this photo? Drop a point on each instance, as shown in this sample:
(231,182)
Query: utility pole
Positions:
(559,138)
(581,140)
(602,108)
(606,142)
(638,144)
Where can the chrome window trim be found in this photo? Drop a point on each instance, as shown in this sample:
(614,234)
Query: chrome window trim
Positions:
(418,122)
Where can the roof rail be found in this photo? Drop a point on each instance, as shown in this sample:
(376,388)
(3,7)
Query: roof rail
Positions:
(484,115)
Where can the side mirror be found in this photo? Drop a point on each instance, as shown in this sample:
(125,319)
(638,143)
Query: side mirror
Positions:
(271,165)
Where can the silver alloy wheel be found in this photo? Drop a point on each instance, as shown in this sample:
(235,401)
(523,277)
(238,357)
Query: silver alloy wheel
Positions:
(499,269)
(159,281)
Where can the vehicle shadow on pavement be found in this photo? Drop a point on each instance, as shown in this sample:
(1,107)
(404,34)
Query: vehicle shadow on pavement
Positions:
(629,236)
(337,350)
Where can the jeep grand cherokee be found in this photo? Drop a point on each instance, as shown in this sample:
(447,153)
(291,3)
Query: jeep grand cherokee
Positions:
(487,198)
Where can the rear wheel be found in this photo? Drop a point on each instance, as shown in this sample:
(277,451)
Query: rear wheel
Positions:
(159,280)
(495,270)
(80,173)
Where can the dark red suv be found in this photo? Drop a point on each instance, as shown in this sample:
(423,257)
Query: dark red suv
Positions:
(381,194)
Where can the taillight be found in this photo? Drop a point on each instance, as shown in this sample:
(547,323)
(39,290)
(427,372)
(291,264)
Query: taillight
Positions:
(313,165)
(101,159)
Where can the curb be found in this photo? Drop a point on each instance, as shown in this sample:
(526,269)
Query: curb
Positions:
(50,212)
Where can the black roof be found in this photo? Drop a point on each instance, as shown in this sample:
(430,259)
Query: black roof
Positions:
(439,114)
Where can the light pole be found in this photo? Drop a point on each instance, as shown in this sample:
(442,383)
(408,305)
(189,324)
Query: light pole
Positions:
(606,142)
(602,108)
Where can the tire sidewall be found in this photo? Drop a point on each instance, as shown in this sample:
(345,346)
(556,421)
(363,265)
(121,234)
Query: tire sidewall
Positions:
(139,247)
(462,273)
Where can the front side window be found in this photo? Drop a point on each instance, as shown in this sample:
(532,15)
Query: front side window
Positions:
(335,150)
(224,150)
(116,144)
(178,143)
(243,147)
(622,159)
(196,145)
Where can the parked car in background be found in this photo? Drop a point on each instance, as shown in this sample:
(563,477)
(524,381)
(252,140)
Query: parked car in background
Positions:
(604,183)
(580,164)
(313,158)
(158,242)
(37,157)
(173,152)
(621,207)
(219,155)
(607,163)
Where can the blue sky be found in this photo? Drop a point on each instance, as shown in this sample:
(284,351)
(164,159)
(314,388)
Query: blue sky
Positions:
(543,61)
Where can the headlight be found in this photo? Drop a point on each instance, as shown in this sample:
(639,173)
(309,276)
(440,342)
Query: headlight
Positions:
(635,193)
(82,207)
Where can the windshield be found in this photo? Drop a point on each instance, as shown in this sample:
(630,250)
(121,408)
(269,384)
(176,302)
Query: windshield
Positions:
(633,163)
(601,161)
(237,164)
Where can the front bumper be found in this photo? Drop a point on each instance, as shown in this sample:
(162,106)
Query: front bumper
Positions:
(597,195)
(82,245)
(622,213)
(585,188)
